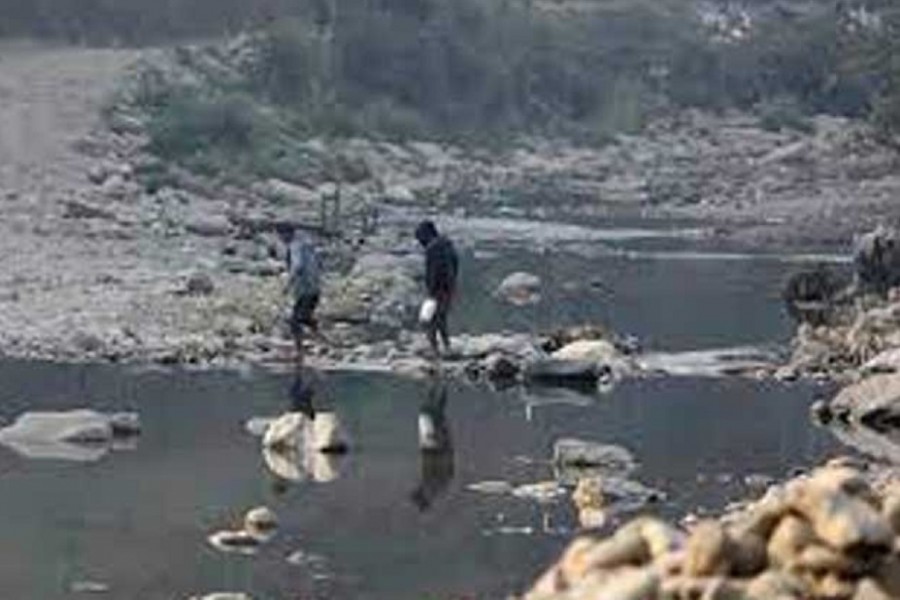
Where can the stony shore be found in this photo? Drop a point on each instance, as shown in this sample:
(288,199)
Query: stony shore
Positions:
(832,533)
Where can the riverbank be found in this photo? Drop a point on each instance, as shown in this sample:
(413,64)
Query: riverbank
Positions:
(115,256)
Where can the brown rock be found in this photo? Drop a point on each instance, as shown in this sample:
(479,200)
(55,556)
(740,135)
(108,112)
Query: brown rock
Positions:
(890,508)
(841,520)
(717,588)
(571,567)
(762,517)
(588,494)
(748,553)
(661,538)
(626,547)
(777,585)
(706,552)
(888,576)
(833,586)
(788,540)
(869,589)
(625,584)
(819,559)
(838,477)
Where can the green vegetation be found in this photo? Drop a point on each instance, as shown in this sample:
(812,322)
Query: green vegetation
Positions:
(485,71)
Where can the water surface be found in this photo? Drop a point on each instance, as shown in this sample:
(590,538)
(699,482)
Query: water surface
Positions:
(390,523)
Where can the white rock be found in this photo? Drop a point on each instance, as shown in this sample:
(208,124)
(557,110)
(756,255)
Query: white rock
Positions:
(576,452)
(260,521)
(236,542)
(399,194)
(257,426)
(77,435)
(544,492)
(598,351)
(208,225)
(887,361)
(491,487)
(327,434)
(286,431)
(290,192)
(296,465)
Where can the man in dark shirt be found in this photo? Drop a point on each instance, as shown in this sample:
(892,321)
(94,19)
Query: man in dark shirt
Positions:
(441,270)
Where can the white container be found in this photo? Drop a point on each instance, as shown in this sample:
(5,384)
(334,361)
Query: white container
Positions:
(427,311)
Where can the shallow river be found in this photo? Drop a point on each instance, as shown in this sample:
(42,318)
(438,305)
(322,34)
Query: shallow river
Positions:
(384,522)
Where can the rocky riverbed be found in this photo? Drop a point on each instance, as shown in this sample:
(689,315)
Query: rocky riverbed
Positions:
(104,265)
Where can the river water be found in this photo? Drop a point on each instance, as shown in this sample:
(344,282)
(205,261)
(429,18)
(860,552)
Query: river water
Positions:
(386,522)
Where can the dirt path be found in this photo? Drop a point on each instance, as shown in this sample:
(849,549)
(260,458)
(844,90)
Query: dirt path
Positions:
(50,99)
(77,285)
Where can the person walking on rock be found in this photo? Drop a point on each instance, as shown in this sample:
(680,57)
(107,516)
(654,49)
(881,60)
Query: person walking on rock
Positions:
(441,270)
(304,272)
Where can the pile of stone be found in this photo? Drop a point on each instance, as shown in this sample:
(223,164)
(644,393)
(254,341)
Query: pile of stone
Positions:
(830,534)
(850,329)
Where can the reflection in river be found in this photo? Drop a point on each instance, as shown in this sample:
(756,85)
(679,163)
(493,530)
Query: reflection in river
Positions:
(435,447)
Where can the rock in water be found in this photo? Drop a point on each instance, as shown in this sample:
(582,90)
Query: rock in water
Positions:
(581,453)
(80,435)
(598,351)
(260,521)
(125,424)
(286,431)
(237,542)
(328,434)
(520,289)
(552,371)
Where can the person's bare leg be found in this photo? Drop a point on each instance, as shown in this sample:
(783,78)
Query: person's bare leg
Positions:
(298,348)
(431,332)
(441,324)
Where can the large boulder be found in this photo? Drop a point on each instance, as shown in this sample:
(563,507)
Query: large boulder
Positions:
(208,225)
(876,259)
(603,353)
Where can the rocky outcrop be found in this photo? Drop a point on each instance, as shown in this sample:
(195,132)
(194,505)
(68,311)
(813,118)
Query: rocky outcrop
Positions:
(827,535)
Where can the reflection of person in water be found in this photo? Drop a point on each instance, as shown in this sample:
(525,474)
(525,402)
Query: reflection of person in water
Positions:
(301,394)
(436,448)
(286,467)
